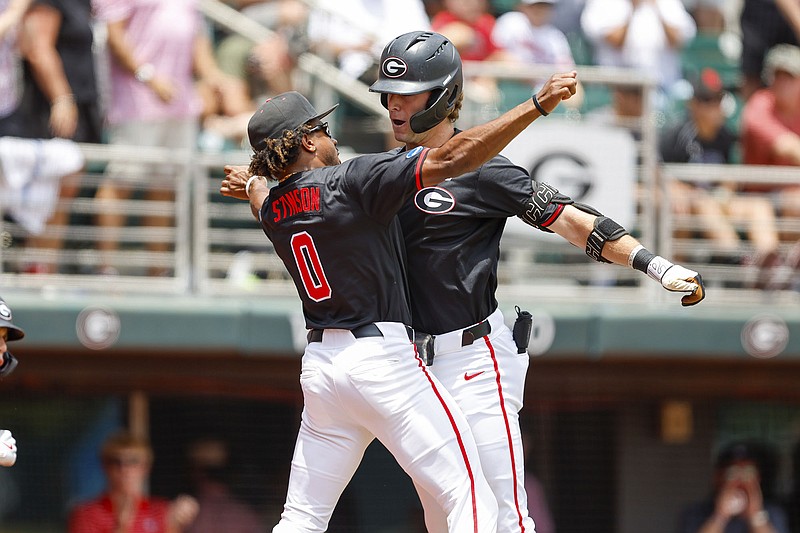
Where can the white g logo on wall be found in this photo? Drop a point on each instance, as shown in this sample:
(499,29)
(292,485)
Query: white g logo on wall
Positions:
(98,327)
(394,67)
(543,333)
(765,336)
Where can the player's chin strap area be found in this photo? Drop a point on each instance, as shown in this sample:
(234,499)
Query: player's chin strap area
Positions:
(7,364)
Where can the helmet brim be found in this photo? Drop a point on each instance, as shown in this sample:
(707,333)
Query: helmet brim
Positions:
(402,87)
(14,333)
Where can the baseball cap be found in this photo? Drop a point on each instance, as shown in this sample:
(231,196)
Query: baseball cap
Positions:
(707,85)
(14,333)
(785,57)
(286,111)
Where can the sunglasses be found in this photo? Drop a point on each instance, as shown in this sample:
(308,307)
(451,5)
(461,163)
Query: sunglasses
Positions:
(321,126)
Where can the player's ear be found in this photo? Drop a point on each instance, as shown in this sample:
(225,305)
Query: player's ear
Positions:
(308,143)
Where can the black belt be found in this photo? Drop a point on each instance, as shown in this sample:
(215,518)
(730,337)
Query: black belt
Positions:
(475,332)
(369,330)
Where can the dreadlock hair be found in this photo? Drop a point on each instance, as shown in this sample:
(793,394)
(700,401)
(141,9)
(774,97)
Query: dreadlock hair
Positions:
(278,153)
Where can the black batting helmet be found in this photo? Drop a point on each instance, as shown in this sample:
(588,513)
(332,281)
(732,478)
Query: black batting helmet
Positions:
(14,333)
(417,62)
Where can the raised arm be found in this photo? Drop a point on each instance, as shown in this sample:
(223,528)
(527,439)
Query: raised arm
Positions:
(471,148)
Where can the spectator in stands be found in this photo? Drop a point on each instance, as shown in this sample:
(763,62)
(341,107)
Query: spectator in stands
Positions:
(469,24)
(567,17)
(60,96)
(258,70)
(220,509)
(267,66)
(528,37)
(155,50)
(351,34)
(642,34)
(771,136)
(771,117)
(30,169)
(624,111)
(771,120)
(702,137)
(741,499)
(11,12)
(125,505)
(764,24)
(709,15)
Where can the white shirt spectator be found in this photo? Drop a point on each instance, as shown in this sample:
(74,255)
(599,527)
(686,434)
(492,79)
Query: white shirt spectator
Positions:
(359,29)
(646,46)
(543,45)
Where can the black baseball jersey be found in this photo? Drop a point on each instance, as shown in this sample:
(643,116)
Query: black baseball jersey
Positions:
(452,234)
(336,230)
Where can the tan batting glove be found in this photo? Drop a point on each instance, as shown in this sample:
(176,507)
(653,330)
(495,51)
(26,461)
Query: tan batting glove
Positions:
(8,448)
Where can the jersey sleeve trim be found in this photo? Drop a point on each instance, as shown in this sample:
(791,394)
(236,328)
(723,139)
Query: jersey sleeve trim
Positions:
(418,170)
(552,218)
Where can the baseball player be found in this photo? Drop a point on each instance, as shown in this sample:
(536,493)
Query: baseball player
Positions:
(334,226)
(452,233)
(8,332)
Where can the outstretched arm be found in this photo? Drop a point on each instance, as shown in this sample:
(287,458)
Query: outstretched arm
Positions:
(605,240)
(469,149)
(611,243)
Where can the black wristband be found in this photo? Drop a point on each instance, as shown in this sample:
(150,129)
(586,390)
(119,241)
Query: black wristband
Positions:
(538,105)
(642,259)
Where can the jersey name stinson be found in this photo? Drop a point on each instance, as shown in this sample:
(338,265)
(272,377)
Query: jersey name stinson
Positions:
(297,202)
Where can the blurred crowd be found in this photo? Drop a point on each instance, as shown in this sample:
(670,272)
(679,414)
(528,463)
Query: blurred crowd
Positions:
(161,74)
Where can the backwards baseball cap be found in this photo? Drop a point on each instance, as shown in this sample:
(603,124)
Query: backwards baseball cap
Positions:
(707,85)
(785,57)
(287,111)
(14,333)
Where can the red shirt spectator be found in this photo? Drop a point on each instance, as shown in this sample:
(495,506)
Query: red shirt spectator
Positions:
(469,25)
(762,126)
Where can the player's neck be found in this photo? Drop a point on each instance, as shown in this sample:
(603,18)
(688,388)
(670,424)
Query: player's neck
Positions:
(434,137)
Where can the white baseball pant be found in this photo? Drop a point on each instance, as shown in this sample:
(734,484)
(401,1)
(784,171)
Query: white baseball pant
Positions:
(356,390)
(487,380)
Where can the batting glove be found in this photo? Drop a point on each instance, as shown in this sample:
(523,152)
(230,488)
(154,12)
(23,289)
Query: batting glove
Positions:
(677,279)
(8,448)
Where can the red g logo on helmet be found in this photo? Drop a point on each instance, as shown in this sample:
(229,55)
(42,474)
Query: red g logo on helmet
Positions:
(394,67)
